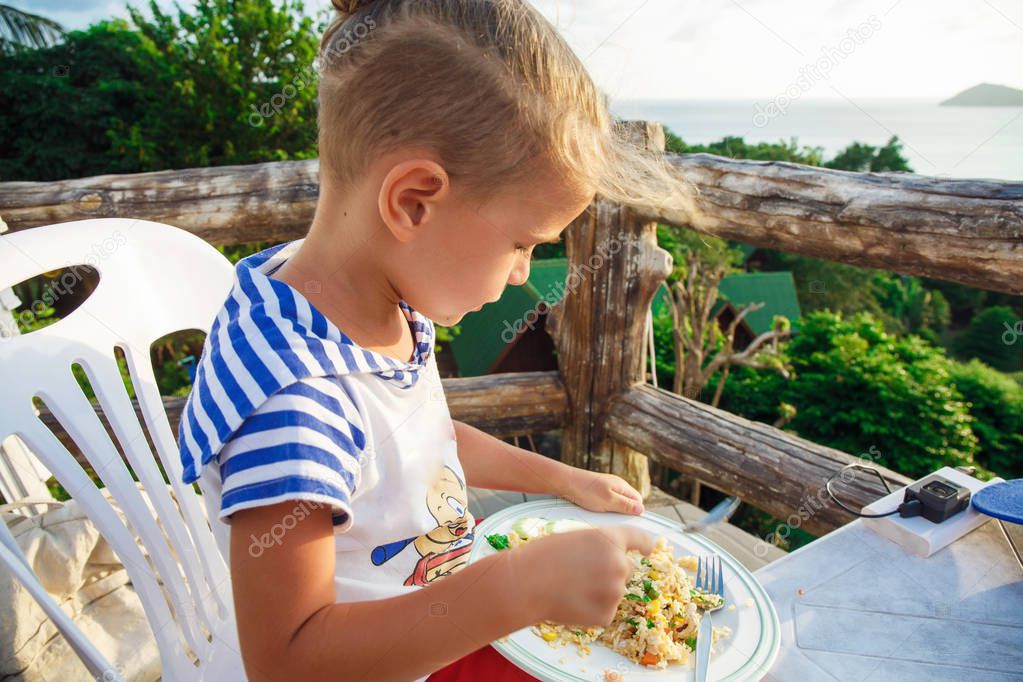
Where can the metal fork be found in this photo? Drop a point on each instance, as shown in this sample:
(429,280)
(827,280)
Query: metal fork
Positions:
(709,579)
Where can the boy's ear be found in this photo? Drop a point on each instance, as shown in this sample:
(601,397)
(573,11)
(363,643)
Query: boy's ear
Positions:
(409,196)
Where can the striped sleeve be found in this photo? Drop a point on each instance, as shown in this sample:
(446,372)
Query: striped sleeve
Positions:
(306,442)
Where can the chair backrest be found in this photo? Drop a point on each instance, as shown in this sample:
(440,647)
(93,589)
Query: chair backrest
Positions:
(21,474)
(153,280)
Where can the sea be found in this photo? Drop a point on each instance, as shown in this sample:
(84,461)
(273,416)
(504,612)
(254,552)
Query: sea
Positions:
(942,141)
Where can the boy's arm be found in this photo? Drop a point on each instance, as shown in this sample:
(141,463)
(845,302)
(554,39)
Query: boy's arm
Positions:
(290,627)
(489,462)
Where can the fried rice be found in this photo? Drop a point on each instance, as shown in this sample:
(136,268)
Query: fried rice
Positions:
(656,622)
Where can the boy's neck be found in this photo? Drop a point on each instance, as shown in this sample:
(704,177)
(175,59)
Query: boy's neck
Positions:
(348,288)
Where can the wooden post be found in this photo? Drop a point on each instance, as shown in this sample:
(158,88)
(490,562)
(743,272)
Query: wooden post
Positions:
(615,267)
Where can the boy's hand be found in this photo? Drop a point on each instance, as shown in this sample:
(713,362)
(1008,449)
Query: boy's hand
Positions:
(578,577)
(601,492)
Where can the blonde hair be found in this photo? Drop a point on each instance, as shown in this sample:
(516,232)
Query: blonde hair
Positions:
(488,85)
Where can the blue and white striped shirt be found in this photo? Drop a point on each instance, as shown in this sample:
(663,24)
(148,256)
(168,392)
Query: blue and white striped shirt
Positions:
(265,338)
(286,407)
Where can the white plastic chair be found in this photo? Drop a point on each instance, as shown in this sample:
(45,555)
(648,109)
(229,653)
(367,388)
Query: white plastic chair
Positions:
(154,280)
(22,476)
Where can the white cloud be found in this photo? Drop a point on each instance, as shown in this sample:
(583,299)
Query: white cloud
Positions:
(751,49)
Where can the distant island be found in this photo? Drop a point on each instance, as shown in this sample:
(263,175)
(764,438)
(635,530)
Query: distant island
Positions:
(986,95)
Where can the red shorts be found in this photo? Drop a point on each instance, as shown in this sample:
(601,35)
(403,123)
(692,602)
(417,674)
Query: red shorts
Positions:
(483,664)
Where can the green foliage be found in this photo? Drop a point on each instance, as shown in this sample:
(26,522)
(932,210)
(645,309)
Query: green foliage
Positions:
(913,308)
(447,334)
(172,378)
(61,101)
(888,158)
(826,285)
(714,258)
(992,337)
(856,157)
(996,404)
(228,82)
(737,148)
(902,303)
(865,157)
(684,245)
(963,301)
(240,78)
(172,356)
(235,252)
(664,339)
(855,386)
(999,298)
(31,320)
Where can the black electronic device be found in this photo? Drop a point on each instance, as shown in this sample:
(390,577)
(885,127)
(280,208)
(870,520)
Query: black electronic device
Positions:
(935,498)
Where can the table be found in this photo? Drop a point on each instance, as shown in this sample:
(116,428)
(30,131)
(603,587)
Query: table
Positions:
(854,605)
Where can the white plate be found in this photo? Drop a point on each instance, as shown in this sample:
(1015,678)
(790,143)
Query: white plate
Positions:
(746,655)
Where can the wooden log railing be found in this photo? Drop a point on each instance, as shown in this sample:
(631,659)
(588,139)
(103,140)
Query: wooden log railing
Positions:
(223,205)
(967,231)
(780,473)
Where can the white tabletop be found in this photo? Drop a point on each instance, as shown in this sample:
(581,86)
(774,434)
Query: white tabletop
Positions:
(869,610)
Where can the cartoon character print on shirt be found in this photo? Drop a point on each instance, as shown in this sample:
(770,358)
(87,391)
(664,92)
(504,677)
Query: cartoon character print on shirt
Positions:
(445,549)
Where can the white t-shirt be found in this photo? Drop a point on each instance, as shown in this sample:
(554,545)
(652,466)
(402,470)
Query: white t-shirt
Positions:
(286,408)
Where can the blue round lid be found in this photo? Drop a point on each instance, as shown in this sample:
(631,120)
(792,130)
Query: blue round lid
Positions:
(1001,500)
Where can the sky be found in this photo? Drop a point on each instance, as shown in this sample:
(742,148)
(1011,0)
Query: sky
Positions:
(754,49)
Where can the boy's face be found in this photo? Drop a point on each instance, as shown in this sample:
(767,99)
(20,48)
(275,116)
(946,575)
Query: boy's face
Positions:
(470,251)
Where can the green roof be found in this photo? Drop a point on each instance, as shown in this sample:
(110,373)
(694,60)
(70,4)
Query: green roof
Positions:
(777,290)
(485,334)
